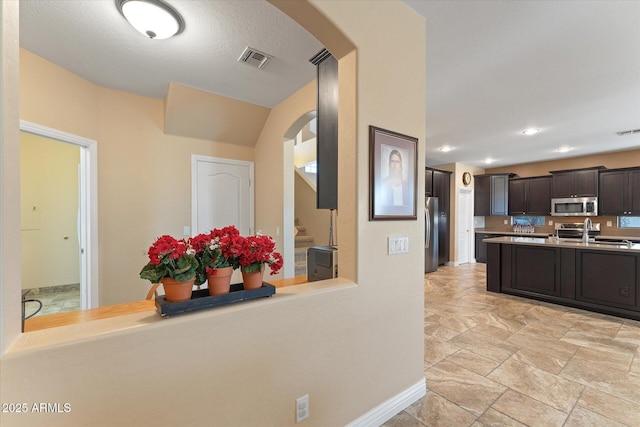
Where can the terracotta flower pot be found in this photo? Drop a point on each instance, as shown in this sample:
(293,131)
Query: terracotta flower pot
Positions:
(253,280)
(175,291)
(220,280)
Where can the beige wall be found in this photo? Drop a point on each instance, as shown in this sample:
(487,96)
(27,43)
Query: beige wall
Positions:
(10,294)
(315,221)
(144,176)
(49,212)
(350,347)
(204,115)
(620,159)
(304,152)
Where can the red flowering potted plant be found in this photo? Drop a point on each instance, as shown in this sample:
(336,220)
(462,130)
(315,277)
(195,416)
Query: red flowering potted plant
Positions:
(256,252)
(173,263)
(216,254)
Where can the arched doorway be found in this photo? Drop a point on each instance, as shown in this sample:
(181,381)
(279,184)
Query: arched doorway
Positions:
(288,190)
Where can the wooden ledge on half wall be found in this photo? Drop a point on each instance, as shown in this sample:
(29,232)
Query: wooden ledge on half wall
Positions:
(79,316)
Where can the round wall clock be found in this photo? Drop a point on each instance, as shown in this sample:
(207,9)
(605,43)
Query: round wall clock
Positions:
(466,178)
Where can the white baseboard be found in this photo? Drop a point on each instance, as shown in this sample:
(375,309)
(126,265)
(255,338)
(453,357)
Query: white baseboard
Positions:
(389,408)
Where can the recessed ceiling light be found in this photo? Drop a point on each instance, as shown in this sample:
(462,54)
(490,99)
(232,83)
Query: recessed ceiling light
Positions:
(489,160)
(563,149)
(530,131)
(445,148)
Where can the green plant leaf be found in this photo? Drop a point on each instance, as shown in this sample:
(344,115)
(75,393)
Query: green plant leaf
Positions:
(153,273)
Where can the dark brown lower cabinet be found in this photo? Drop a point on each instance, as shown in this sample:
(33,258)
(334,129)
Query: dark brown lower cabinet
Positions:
(536,269)
(481,247)
(597,280)
(615,285)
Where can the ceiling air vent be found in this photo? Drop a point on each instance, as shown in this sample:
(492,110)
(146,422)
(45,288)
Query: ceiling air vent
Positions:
(254,57)
(628,132)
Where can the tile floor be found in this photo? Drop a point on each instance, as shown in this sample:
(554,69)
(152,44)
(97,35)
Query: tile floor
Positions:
(499,360)
(60,300)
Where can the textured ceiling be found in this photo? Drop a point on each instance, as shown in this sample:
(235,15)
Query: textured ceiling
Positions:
(91,39)
(494,68)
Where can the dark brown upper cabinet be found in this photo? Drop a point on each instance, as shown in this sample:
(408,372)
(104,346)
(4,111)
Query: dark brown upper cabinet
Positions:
(530,196)
(619,192)
(491,194)
(575,183)
(327,130)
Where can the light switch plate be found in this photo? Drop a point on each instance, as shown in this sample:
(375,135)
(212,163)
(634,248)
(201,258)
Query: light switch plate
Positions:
(609,223)
(398,245)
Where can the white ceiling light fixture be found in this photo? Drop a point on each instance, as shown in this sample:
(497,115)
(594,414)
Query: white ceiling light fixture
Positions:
(530,131)
(563,149)
(153,18)
(445,148)
(489,160)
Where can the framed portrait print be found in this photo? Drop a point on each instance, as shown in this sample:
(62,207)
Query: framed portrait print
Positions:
(393,175)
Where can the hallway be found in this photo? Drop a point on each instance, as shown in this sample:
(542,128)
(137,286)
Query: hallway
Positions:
(499,360)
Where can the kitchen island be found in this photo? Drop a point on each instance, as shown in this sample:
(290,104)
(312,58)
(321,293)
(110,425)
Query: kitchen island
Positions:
(597,276)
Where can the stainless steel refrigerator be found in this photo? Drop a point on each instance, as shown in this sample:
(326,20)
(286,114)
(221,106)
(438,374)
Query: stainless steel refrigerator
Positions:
(431,234)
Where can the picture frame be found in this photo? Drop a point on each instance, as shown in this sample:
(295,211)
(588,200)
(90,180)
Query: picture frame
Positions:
(393,175)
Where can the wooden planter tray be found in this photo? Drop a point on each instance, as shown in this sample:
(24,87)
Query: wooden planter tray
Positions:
(201,300)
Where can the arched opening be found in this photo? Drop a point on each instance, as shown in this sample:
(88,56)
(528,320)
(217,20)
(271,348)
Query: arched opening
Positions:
(304,224)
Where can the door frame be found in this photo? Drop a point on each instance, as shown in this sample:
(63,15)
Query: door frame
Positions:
(87,205)
(195,159)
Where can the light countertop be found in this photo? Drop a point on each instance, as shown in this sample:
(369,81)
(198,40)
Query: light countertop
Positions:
(564,243)
(601,236)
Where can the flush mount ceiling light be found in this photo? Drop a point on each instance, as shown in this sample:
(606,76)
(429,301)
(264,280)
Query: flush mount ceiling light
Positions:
(153,18)
(564,149)
(445,148)
(530,131)
(489,160)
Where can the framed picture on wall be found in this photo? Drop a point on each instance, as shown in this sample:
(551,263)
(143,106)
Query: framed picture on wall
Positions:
(393,175)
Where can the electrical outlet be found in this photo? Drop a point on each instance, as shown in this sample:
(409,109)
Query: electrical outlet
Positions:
(302,408)
(609,223)
(550,222)
(186,231)
(506,221)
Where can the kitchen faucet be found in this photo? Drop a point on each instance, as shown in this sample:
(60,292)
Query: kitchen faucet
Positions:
(585,233)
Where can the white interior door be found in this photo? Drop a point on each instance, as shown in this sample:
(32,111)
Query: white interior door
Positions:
(463,226)
(222,195)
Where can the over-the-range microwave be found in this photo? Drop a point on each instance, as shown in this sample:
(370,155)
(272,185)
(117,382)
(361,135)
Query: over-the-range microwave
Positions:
(575,206)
